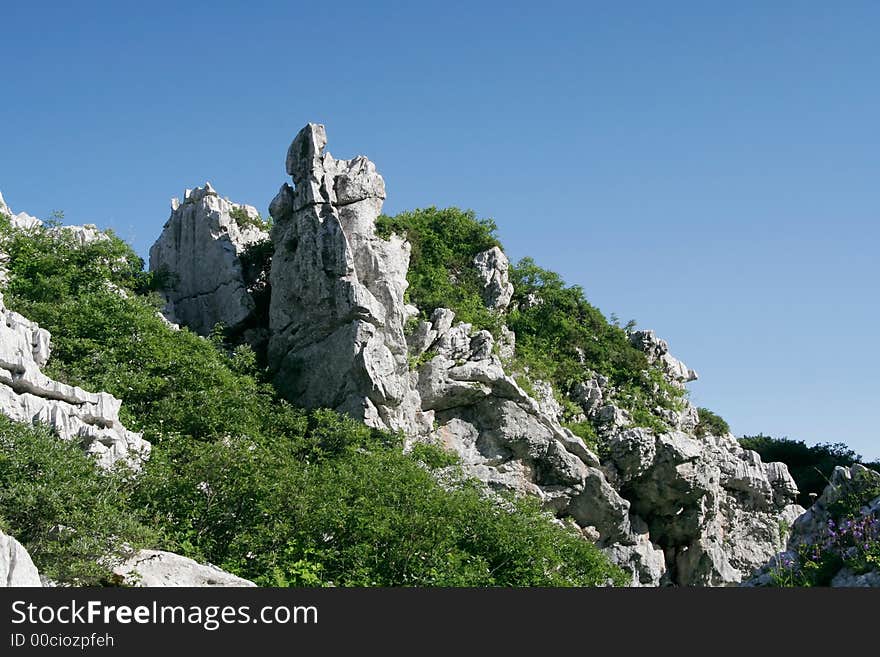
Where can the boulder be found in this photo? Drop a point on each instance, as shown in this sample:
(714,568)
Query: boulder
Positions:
(16,567)
(493,268)
(155,568)
(835,513)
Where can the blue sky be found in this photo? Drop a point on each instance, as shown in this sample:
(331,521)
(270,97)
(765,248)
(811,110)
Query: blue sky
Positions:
(710,169)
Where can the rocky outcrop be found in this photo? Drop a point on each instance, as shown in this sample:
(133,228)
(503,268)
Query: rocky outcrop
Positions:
(714,507)
(155,568)
(657,350)
(28,395)
(668,505)
(843,520)
(16,567)
(337,314)
(200,254)
(22,220)
(506,439)
(493,269)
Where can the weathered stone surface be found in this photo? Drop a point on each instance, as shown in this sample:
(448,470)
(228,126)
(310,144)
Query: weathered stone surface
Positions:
(658,350)
(27,395)
(493,269)
(22,220)
(16,567)
(810,528)
(200,249)
(155,568)
(337,313)
(713,506)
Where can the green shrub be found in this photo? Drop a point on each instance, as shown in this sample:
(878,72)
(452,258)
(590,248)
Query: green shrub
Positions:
(71,515)
(363,517)
(239,477)
(244,220)
(560,337)
(711,424)
(441,272)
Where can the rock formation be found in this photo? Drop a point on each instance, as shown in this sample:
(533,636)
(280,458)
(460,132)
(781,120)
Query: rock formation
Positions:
(155,568)
(337,314)
(200,251)
(28,395)
(16,567)
(668,505)
(148,568)
(856,488)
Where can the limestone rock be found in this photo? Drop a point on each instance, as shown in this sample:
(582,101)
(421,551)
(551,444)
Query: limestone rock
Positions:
(27,395)
(154,568)
(493,268)
(658,350)
(713,506)
(588,395)
(811,528)
(337,314)
(200,250)
(16,567)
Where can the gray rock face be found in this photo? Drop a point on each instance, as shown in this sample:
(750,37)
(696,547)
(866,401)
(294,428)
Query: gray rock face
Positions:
(658,350)
(493,268)
(512,441)
(337,313)
(22,220)
(713,506)
(16,567)
(200,248)
(27,395)
(155,568)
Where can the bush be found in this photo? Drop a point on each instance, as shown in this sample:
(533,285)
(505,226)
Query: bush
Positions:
(711,424)
(363,516)
(441,272)
(72,516)
(243,220)
(560,337)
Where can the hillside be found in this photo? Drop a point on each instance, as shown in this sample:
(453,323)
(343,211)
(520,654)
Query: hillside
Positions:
(332,396)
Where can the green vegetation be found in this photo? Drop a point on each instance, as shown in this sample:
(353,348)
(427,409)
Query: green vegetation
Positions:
(849,539)
(69,513)
(711,424)
(810,466)
(441,272)
(243,220)
(358,513)
(238,476)
(561,337)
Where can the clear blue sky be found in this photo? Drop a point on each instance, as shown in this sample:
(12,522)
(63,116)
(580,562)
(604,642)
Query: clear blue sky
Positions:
(710,169)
